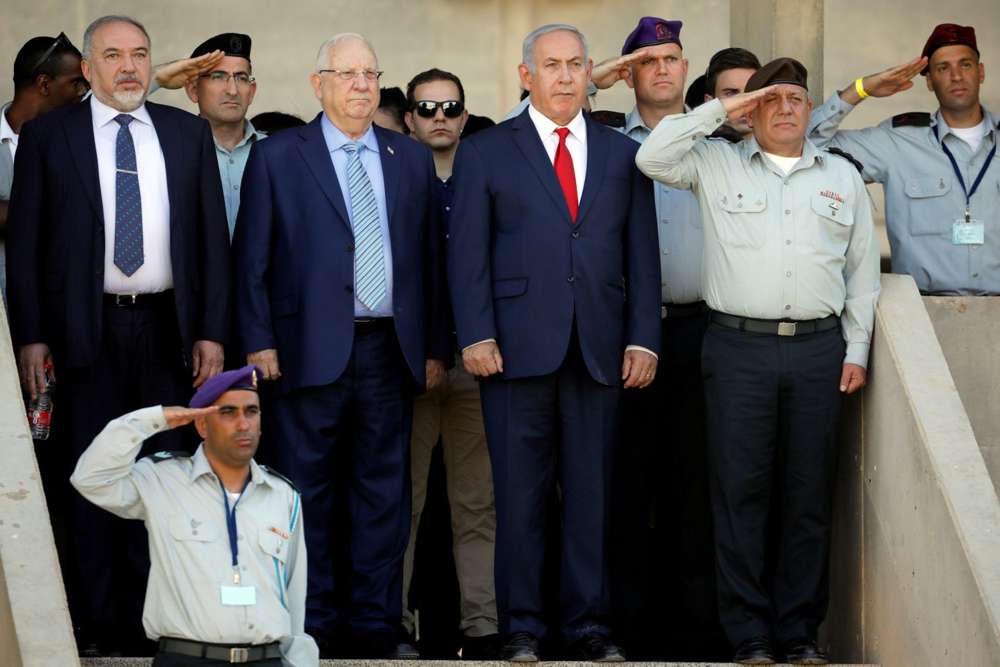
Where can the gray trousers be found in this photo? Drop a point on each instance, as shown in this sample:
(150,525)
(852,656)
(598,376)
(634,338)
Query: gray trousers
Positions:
(453,412)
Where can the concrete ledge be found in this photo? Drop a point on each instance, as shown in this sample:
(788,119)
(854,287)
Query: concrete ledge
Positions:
(35,628)
(142,662)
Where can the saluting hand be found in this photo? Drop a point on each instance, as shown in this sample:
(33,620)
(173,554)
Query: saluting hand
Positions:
(853,378)
(178,416)
(175,74)
(738,106)
(609,72)
(891,81)
(483,359)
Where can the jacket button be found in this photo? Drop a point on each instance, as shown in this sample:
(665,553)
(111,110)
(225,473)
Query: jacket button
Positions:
(575,235)
(349,289)
(571,278)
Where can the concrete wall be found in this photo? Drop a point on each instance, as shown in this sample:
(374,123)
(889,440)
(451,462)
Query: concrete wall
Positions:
(35,628)
(968,333)
(917,540)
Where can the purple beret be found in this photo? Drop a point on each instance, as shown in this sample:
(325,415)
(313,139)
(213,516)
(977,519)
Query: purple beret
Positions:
(651,31)
(948,34)
(209,392)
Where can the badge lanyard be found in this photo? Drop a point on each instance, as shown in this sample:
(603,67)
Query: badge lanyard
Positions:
(231,528)
(979,179)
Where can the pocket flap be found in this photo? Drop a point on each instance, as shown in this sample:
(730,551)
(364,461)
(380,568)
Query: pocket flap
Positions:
(273,544)
(192,529)
(508,287)
(831,209)
(927,186)
(285,305)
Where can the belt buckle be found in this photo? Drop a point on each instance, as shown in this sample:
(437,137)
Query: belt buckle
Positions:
(125,299)
(239,654)
(663,312)
(786,328)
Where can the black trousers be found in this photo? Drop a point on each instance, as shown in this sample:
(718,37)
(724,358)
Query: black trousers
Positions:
(140,364)
(542,431)
(773,404)
(663,551)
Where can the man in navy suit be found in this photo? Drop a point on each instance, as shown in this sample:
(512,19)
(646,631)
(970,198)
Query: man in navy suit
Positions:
(338,279)
(555,285)
(118,273)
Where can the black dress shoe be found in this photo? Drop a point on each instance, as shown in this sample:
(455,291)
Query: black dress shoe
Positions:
(520,647)
(754,651)
(486,647)
(804,652)
(596,648)
(404,650)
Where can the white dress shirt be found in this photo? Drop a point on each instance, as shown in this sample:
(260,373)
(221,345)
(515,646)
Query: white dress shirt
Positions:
(8,136)
(156,273)
(576,142)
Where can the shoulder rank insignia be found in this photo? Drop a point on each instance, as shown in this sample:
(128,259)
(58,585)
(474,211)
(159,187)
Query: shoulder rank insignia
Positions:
(160,457)
(912,119)
(609,118)
(272,471)
(847,156)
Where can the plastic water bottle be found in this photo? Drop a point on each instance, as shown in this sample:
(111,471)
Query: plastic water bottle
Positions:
(40,409)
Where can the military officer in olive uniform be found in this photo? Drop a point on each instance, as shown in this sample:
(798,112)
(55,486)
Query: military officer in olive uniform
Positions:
(791,274)
(227,581)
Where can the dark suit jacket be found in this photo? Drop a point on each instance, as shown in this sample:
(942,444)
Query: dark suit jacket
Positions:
(521,271)
(55,249)
(294,256)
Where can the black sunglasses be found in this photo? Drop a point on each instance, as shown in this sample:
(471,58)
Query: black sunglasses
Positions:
(61,39)
(450,108)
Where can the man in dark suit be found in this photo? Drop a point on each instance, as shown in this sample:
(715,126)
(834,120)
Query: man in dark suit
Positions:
(337,284)
(119,279)
(555,287)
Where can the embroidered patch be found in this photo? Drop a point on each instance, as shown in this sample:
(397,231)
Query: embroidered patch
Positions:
(279,532)
(831,195)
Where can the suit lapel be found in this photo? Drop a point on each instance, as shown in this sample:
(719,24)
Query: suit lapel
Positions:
(390,168)
(527,140)
(596,150)
(80,136)
(173,163)
(317,158)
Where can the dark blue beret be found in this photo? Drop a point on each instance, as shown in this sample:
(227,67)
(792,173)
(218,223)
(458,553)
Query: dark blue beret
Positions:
(231,43)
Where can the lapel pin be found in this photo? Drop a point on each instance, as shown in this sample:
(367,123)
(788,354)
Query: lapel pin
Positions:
(391,152)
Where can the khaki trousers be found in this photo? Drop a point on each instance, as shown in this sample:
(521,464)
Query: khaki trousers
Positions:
(453,412)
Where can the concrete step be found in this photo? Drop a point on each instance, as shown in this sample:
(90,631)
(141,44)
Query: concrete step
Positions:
(141,662)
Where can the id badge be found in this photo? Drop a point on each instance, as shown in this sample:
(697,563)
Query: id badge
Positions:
(238,596)
(972,232)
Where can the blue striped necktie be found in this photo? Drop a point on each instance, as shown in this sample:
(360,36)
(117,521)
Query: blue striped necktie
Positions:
(369,260)
(128,203)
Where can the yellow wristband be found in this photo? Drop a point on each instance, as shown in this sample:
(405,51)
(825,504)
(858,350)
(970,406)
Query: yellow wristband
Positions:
(860,88)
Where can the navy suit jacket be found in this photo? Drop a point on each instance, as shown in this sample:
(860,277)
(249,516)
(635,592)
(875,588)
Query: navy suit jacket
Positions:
(521,271)
(294,256)
(55,247)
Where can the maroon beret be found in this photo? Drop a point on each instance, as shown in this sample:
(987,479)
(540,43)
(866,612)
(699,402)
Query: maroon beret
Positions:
(948,34)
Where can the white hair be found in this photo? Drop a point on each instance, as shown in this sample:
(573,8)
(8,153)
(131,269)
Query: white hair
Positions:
(88,34)
(323,56)
(528,47)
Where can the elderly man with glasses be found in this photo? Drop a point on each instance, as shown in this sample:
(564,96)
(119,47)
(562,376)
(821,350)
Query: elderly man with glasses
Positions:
(338,283)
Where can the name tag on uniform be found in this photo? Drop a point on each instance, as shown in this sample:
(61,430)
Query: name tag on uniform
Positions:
(972,232)
(238,596)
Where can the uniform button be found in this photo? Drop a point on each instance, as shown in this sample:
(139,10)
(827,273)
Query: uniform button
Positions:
(975,275)
(788,211)
(570,278)
(787,307)
(236,187)
(239,537)
(788,274)
(788,242)
(666,252)
(575,235)
(250,626)
(349,289)
(232,161)
(447,208)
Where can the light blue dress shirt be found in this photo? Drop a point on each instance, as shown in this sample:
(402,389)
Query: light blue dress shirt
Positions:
(231,166)
(335,141)
(678,228)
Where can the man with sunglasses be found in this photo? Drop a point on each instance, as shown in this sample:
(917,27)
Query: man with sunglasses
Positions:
(46,76)
(436,118)
(338,282)
(223,96)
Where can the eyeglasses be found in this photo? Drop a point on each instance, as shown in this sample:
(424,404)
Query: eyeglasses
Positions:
(450,108)
(350,75)
(61,39)
(241,78)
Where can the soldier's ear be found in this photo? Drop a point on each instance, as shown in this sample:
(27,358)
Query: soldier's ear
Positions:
(201,426)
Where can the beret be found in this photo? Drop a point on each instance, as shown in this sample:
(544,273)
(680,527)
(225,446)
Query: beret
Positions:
(779,70)
(230,43)
(947,34)
(652,31)
(209,392)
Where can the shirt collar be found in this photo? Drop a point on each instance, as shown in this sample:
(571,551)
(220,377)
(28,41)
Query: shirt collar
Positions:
(810,153)
(545,125)
(250,135)
(200,466)
(634,124)
(335,139)
(103,114)
(6,131)
(943,130)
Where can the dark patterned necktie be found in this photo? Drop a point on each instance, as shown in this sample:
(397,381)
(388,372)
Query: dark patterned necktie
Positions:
(128,203)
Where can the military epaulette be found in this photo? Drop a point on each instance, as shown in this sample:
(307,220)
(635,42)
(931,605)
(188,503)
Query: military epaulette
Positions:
(272,471)
(727,133)
(847,156)
(912,119)
(609,118)
(160,457)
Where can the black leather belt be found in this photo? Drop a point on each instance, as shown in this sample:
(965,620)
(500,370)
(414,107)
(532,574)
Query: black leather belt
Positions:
(776,327)
(367,325)
(239,654)
(139,300)
(671,310)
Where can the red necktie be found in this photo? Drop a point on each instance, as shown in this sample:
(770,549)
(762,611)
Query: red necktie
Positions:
(565,172)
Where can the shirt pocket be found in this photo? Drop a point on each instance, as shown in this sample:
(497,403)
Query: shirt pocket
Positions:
(743,223)
(192,530)
(273,545)
(833,223)
(929,209)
